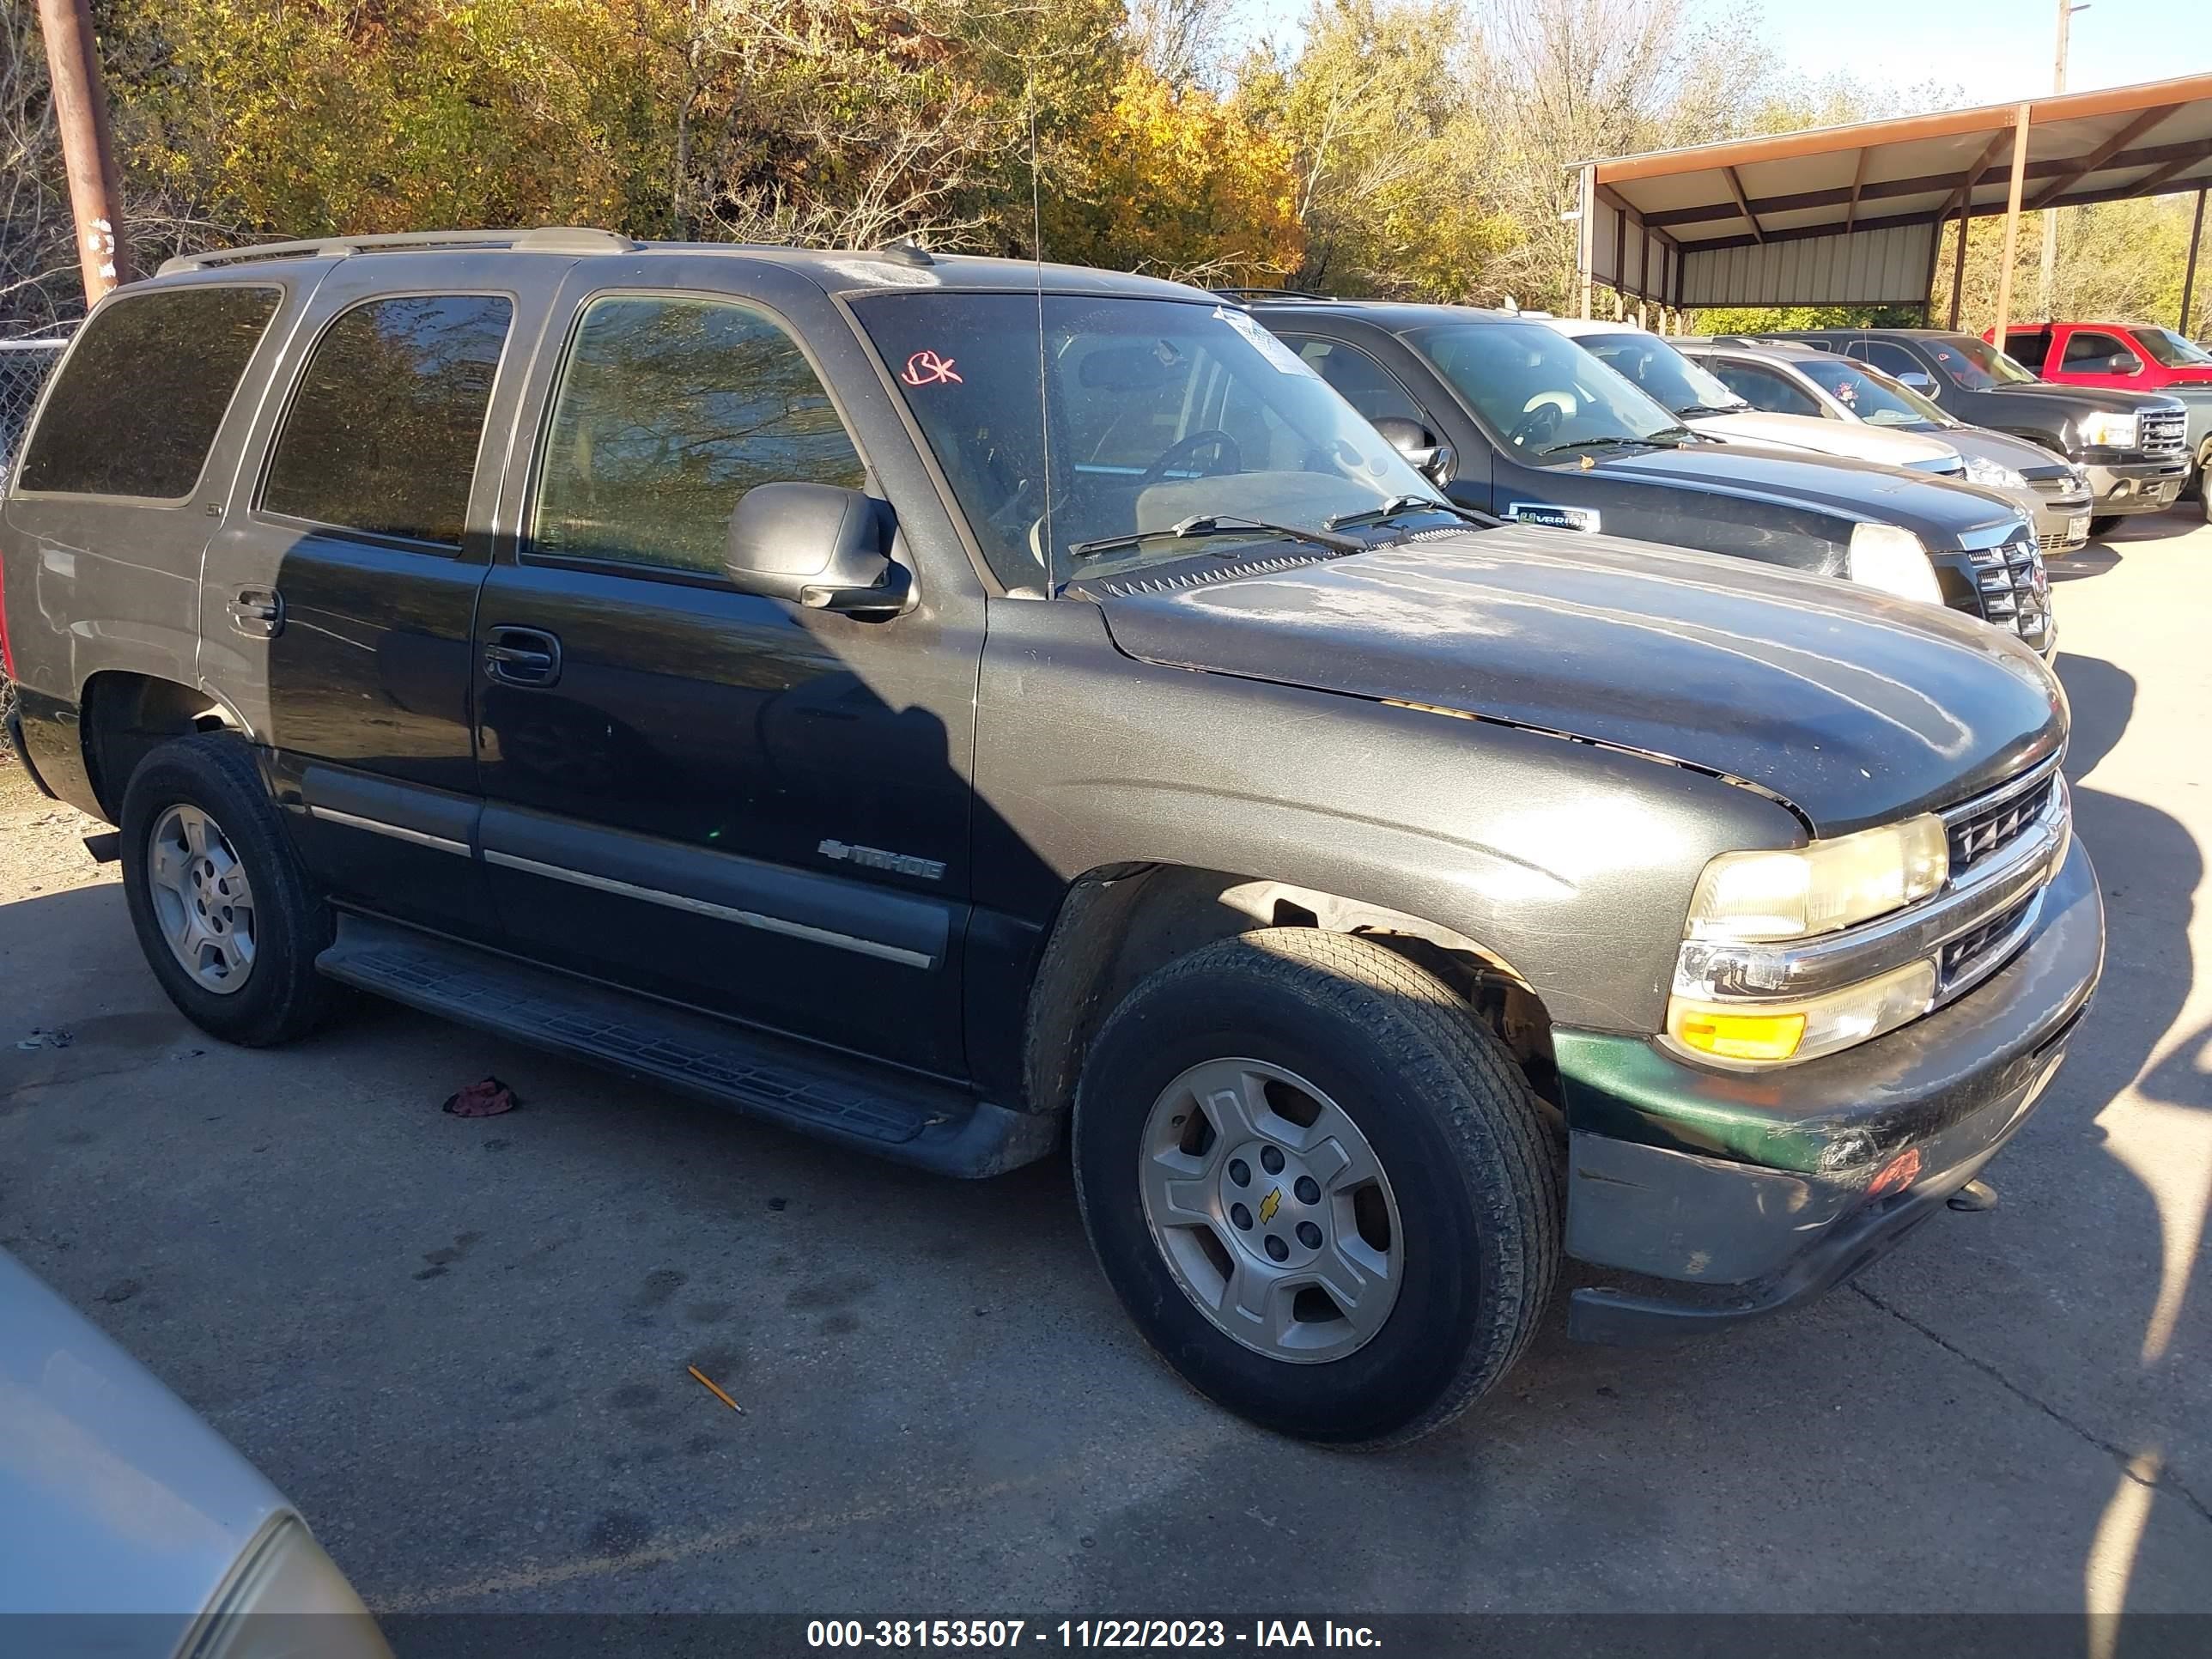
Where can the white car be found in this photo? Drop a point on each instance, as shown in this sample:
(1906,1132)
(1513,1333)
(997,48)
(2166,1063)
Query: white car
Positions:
(130,1528)
(1700,401)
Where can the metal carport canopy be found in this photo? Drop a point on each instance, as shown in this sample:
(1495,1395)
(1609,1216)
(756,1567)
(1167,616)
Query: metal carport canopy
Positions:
(1853,215)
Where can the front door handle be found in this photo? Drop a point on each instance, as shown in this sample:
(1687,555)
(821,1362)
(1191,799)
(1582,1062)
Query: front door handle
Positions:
(522,656)
(258,611)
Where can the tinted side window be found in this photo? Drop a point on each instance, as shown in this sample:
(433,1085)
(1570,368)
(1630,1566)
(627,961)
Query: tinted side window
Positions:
(668,411)
(383,431)
(2087,350)
(138,408)
(1762,388)
(2030,345)
(1894,358)
(1362,382)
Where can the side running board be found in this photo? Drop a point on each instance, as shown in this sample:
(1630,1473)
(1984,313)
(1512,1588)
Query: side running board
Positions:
(910,1120)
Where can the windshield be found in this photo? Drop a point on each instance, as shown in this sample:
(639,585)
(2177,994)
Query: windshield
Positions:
(1975,364)
(1870,395)
(2169,350)
(1157,411)
(1541,393)
(1661,372)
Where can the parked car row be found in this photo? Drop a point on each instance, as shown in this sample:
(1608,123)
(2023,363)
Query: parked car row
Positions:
(1535,426)
(955,708)
(2130,444)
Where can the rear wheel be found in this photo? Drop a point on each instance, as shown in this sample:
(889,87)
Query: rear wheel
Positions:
(222,909)
(1321,1187)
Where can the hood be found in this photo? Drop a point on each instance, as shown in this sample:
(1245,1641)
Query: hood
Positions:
(2024,456)
(1928,507)
(1855,707)
(2084,398)
(1853,439)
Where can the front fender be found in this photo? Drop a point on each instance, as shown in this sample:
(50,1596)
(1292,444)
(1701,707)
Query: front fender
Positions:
(1572,862)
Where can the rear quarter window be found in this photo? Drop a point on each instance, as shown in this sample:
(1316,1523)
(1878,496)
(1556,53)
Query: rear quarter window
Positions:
(136,406)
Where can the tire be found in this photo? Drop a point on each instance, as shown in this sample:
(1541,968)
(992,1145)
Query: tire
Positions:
(1469,1175)
(278,996)
(2104,524)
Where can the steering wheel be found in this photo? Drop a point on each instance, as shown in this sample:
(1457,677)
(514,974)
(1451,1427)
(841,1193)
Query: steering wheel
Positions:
(1183,448)
(1536,429)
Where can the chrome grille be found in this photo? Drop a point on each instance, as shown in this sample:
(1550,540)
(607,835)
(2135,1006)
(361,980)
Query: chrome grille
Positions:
(2163,431)
(2011,586)
(1962,957)
(1992,821)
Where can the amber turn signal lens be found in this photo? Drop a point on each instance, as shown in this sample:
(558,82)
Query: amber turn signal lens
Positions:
(1743,1037)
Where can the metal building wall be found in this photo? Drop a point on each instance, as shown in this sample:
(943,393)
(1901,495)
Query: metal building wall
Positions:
(1888,266)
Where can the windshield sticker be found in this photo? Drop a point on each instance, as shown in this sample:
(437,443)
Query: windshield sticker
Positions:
(1552,517)
(1285,360)
(927,368)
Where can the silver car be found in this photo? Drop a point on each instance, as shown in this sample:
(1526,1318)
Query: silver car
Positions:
(130,1528)
(1797,380)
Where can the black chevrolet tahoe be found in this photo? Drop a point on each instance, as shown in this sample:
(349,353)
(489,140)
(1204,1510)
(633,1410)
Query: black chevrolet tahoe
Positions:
(1513,417)
(2132,445)
(954,708)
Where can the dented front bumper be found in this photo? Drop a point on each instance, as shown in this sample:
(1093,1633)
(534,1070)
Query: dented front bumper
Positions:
(1748,1192)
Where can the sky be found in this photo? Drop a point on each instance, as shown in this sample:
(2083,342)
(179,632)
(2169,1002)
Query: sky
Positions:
(1995,49)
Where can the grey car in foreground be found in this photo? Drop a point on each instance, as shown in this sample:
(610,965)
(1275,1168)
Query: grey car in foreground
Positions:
(130,1529)
(950,707)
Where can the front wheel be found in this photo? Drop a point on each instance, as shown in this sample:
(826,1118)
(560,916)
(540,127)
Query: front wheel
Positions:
(222,910)
(1321,1187)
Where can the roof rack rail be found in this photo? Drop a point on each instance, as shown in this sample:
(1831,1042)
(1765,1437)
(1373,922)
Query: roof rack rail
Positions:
(546,239)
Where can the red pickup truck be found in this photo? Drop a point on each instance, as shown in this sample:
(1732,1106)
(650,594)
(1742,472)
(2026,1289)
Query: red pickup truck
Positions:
(2134,356)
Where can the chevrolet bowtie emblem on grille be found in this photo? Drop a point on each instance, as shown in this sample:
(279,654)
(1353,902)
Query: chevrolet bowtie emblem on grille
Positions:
(1269,1204)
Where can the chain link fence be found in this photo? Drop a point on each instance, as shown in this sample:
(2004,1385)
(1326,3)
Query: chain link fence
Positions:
(24,366)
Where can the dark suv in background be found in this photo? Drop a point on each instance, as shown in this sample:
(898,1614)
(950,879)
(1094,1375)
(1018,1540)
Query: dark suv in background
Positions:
(1515,418)
(950,706)
(2133,444)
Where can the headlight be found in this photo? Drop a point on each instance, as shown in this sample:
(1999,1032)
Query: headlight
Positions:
(2103,431)
(1801,892)
(1894,560)
(1768,1033)
(1992,474)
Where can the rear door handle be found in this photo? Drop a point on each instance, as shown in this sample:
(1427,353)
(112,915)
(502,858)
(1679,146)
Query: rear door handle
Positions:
(258,611)
(522,656)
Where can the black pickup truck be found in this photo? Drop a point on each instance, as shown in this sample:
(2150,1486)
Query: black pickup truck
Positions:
(1513,417)
(2132,445)
(952,709)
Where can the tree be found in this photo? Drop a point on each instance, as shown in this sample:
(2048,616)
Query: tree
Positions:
(1378,112)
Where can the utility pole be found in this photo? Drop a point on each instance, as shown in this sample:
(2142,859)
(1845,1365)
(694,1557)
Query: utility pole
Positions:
(2051,215)
(87,148)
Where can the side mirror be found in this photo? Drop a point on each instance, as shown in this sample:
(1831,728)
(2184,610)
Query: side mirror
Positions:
(1918,381)
(815,545)
(1431,456)
(2120,362)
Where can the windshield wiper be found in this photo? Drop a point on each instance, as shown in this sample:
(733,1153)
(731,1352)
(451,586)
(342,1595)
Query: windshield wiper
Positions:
(1714,409)
(1603,443)
(1397,504)
(1216,523)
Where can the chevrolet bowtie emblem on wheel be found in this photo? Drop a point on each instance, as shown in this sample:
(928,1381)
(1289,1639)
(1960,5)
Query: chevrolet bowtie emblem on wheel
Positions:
(1269,1204)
